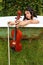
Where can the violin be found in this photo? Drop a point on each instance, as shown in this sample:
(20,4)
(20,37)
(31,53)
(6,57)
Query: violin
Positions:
(17,36)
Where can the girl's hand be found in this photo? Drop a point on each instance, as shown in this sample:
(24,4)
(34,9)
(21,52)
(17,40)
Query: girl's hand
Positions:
(10,23)
(17,22)
(14,23)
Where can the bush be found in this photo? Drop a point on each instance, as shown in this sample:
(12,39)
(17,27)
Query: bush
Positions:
(10,7)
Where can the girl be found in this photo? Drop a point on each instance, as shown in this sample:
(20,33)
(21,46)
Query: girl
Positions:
(29,15)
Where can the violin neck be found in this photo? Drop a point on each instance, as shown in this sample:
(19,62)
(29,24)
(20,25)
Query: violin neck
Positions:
(15,33)
(15,29)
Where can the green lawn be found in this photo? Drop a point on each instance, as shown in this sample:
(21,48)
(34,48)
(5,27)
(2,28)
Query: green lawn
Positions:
(31,53)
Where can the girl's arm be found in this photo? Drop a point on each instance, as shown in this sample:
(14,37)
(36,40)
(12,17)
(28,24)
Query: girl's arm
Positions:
(34,21)
(26,22)
(12,23)
(23,23)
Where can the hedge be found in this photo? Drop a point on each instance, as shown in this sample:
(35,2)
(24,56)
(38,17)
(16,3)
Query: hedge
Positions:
(10,7)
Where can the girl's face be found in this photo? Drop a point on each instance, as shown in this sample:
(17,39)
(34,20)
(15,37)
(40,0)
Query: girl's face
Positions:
(28,14)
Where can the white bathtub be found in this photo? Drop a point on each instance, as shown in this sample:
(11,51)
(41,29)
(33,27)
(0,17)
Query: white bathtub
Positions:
(4,21)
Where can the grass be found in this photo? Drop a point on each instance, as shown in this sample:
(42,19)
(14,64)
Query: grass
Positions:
(31,53)
(3,53)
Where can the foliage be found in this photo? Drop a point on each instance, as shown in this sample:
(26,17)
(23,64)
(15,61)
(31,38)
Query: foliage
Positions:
(10,7)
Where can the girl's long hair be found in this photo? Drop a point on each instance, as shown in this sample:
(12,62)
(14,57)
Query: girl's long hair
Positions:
(32,12)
